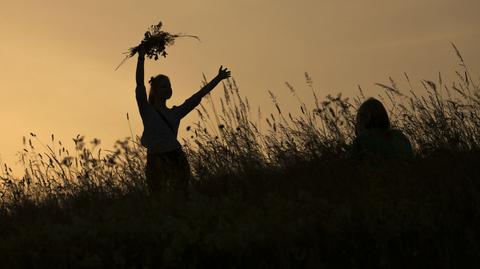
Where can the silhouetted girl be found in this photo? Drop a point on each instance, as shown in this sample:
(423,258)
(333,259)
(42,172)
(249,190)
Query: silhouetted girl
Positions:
(167,166)
(375,138)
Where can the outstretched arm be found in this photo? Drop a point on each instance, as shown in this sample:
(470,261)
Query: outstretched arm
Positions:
(192,102)
(140,91)
(223,73)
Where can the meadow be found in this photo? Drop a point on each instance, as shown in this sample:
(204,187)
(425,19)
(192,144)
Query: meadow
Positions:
(286,195)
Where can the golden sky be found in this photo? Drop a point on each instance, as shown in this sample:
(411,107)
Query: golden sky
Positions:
(58,57)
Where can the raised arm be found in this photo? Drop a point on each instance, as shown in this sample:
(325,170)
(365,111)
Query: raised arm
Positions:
(194,100)
(141,91)
(140,74)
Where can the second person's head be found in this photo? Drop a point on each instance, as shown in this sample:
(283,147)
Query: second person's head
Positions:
(371,115)
(160,89)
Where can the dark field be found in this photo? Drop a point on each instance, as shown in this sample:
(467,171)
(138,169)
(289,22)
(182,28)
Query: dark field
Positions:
(290,196)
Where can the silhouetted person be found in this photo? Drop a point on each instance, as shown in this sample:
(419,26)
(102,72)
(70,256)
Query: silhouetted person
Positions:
(375,138)
(167,166)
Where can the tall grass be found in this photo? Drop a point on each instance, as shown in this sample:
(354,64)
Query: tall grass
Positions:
(285,195)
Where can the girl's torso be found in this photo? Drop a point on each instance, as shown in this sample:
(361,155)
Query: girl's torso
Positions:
(161,129)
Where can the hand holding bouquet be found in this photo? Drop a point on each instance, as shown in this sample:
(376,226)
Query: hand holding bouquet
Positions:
(154,43)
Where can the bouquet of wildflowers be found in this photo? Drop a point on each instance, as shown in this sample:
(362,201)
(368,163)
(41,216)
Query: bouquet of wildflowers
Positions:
(154,43)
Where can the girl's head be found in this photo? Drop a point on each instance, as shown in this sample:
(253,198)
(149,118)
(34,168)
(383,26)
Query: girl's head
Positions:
(371,115)
(160,89)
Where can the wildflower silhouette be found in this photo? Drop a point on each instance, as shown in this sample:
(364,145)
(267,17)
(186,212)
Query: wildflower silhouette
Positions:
(154,43)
